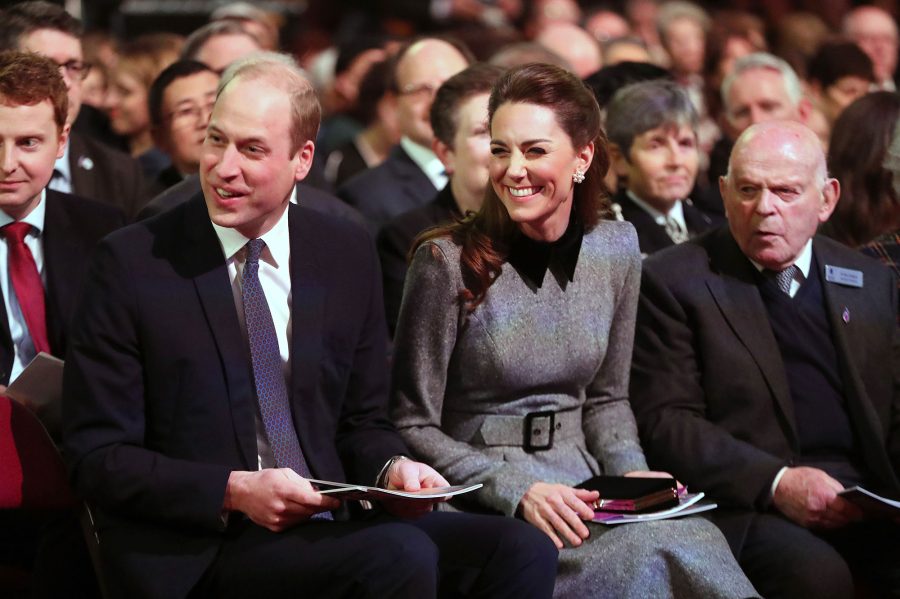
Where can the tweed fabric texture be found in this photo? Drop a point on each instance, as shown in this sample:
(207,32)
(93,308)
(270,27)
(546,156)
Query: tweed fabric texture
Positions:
(563,346)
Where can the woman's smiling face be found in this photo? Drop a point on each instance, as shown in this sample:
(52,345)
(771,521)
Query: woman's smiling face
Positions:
(531,167)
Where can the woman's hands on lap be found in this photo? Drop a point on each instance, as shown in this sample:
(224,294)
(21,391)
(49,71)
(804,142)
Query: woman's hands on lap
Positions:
(559,511)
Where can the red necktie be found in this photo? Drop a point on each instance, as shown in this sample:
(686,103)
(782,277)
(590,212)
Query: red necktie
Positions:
(27,283)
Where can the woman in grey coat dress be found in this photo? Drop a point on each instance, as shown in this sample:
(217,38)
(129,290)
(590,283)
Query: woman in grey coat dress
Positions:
(513,350)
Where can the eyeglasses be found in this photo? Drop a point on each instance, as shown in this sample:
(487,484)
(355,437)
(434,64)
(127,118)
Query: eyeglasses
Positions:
(188,115)
(419,89)
(75,69)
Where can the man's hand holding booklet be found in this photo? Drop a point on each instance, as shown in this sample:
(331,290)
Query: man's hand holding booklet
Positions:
(625,499)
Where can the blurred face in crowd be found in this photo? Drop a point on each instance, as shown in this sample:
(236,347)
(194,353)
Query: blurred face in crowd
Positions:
(186,105)
(248,168)
(220,51)
(836,97)
(607,25)
(30,143)
(661,165)
(65,51)
(756,96)
(876,33)
(127,104)
(421,71)
(532,162)
(467,160)
(776,192)
(685,41)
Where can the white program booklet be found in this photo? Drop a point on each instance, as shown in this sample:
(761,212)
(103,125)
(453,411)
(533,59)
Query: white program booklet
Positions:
(689,504)
(870,502)
(40,384)
(358,492)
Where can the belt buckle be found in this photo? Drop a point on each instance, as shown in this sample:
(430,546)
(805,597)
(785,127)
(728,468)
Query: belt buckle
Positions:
(535,428)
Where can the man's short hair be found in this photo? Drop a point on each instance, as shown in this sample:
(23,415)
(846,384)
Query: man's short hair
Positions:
(477,79)
(640,107)
(281,71)
(835,60)
(673,11)
(175,71)
(196,40)
(26,17)
(393,84)
(764,60)
(27,79)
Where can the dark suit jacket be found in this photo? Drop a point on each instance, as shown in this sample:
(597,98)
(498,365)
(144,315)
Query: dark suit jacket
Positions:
(395,186)
(651,236)
(310,197)
(101,173)
(395,240)
(72,227)
(708,385)
(159,399)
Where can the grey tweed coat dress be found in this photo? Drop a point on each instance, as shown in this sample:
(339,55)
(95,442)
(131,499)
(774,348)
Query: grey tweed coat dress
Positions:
(463,384)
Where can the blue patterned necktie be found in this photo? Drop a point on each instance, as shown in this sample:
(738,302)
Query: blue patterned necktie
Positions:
(268,375)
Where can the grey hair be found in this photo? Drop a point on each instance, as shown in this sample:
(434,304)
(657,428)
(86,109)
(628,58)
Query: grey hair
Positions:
(646,105)
(763,60)
(281,71)
(196,40)
(672,11)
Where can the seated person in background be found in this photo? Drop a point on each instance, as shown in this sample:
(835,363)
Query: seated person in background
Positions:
(87,168)
(218,44)
(140,61)
(462,142)
(45,240)
(180,102)
(232,348)
(521,316)
(765,374)
(837,74)
(652,128)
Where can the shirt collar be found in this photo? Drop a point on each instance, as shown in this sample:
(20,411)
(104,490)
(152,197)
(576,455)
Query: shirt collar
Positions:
(426,160)
(532,259)
(35,218)
(62,167)
(277,239)
(803,261)
(677,211)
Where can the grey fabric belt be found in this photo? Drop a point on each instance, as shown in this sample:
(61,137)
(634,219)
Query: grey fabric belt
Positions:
(534,431)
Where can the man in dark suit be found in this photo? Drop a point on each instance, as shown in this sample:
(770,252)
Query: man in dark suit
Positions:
(229,351)
(765,373)
(652,128)
(411,175)
(462,143)
(87,168)
(45,240)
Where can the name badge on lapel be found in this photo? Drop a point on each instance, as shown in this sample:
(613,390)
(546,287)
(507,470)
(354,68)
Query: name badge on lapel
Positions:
(843,276)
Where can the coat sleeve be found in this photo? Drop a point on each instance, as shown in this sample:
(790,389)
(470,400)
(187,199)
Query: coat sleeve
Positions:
(104,413)
(427,332)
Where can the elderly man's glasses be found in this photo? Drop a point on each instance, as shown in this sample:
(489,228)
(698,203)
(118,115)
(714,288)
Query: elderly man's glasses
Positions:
(74,69)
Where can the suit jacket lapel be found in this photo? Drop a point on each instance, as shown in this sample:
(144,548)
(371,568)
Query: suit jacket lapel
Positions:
(81,176)
(62,255)
(737,296)
(417,187)
(852,350)
(206,265)
(307,314)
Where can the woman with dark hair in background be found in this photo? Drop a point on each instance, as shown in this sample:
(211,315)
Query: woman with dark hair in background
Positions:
(524,310)
(869,205)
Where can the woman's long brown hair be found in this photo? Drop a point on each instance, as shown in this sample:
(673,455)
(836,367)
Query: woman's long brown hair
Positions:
(484,237)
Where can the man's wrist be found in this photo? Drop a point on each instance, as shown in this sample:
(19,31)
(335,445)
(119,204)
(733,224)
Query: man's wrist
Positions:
(381,479)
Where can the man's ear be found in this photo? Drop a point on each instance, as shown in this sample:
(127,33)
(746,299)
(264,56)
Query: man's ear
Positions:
(831,193)
(62,140)
(304,160)
(804,109)
(445,154)
(617,160)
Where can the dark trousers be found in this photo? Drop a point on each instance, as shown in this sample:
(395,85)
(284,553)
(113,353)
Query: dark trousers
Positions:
(440,554)
(783,559)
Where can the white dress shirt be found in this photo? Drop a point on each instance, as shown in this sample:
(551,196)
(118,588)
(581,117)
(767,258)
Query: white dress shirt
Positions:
(426,160)
(23,346)
(676,213)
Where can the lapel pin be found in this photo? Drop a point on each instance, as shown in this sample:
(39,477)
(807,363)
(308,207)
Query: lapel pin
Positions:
(845,316)
(86,163)
(844,276)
